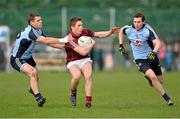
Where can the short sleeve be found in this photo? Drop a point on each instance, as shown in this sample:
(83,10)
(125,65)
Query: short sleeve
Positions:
(34,34)
(88,32)
(124,28)
(43,34)
(151,35)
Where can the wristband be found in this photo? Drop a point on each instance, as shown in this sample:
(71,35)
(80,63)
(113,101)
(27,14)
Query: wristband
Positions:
(62,40)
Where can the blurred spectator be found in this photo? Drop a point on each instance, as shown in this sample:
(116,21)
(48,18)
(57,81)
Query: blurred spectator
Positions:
(169,58)
(127,57)
(162,54)
(92,55)
(176,50)
(97,54)
(100,59)
(2,59)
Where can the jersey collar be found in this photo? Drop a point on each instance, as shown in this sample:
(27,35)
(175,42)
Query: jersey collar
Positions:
(74,35)
(141,27)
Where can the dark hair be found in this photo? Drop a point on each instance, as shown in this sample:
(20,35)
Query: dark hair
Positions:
(140,15)
(74,20)
(32,16)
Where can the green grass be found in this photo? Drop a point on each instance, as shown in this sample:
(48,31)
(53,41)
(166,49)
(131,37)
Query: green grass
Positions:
(115,94)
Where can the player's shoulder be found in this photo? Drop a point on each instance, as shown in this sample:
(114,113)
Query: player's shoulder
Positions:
(126,26)
(87,32)
(151,30)
(24,33)
(126,29)
(148,27)
(27,29)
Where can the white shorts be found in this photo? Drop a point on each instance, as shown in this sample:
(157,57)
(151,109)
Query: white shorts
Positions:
(80,63)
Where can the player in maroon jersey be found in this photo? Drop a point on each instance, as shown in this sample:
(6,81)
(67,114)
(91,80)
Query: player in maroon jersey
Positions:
(78,59)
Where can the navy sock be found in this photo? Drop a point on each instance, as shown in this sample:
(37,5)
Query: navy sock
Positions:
(31,91)
(38,96)
(166,97)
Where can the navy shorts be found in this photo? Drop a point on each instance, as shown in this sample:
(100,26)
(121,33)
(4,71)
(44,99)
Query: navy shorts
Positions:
(17,63)
(144,65)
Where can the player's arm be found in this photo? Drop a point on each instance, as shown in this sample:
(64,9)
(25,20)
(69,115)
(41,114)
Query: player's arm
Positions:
(54,42)
(121,37)
(157,45)
(68,38)
(156,42)
(102,34)
(154,38)
(83,50)
(121,40)
(58,46)
(50,40)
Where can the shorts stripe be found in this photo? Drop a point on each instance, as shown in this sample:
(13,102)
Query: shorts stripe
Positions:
(17,61)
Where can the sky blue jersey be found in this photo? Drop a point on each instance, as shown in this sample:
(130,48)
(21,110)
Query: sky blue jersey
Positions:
(141,40)
(25,42)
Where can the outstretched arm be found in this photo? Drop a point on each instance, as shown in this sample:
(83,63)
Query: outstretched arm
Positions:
(54,42)
(103,34)
(50,40)
(58,46)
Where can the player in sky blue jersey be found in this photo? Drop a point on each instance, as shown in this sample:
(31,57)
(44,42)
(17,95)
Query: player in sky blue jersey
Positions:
(21,56)
(145,45)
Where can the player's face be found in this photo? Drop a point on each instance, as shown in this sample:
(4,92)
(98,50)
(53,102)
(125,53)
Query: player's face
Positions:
(37,22)
(77,29)
(138,23)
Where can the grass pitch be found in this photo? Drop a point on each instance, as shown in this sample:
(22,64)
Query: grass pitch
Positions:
(115,94)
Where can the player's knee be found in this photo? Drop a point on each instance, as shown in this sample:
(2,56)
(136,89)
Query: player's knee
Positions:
(161,81)
(33,73)
(88,77)
(153,78)
(76,77)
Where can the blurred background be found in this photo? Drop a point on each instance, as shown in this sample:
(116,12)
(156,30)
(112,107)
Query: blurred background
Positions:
(98,15)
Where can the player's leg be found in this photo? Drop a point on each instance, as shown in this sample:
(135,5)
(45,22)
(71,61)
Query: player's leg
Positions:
(34,83)
(142,66)
(151,75)
(87,73)
(159,75)
(160,78)
(32,73)
(156,67)
(151,71)
(30,90)
(27,66)
(149,80)
(157,85)
(76,74)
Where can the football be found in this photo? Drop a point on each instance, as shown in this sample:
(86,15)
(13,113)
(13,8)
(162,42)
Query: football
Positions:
(84,41)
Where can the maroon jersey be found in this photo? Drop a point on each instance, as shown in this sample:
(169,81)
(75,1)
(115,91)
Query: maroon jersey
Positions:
(71,54)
